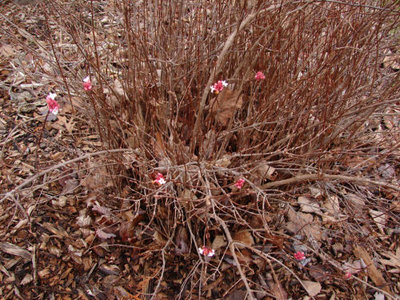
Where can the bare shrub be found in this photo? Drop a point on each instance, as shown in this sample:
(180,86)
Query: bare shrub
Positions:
(152,64)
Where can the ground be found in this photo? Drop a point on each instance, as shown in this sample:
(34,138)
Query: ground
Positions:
(335,237)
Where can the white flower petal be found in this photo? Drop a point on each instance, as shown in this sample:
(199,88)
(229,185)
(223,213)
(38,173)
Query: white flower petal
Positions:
(52,95)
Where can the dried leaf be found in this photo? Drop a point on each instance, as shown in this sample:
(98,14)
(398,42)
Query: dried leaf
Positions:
(395,206)
(27,279)
(121,293)
(394,259)
(387,171)
(223,162)
(126,230)
(55,250)
(237,295)
(277,290)
(265,171)
(7,51)
(219,242)
(104,235)
(59,232)
(15,250)
(70,186)
(62,120)
(208,144)
(60,202)
(144,284)
(392,60)
(214,284)
(158,238)
(159,149)
(243,237)
(109,269)
(101,209)
(332,209)
(356,204)
(391,118)
(312,288)
(83,220)
(318,272)
(182,241)
(306,223)
(309,206)
(373,272)
(118,88)
(225,105)
(379,219)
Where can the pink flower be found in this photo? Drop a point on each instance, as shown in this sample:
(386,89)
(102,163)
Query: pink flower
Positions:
(239,183)
(347,275)
(299,255)
(260,76)
(207,251)
(87,84)
(218,86)
(52,103)
(160,180)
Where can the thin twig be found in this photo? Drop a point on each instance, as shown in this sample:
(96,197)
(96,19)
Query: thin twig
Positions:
(221,57)
(232,249)
(268,257)
(323,177)
(55,167)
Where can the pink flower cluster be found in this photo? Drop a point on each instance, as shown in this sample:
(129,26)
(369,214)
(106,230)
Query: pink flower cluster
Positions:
(218,86)
(160,180)
(259,76)
(87,84)
(299,255)
(206,251)
(239,183)
(52,103)
(347,275)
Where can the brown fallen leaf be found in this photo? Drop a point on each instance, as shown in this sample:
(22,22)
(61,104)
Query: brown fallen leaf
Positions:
(312,288)
(70,186)
(277,290)
(122,293)
(379,218)
(182,241)
(59,232)
(392,60)
(243,237)
(319,273)
(394,259)
(356,204)
(27,279)
(15,250)
(218,242)
(225,105)
(237,295)
(309,206)
(265,171)
(306,223)
(104,235)
(373,272)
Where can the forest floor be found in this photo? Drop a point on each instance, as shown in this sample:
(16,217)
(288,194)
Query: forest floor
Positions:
(50,249)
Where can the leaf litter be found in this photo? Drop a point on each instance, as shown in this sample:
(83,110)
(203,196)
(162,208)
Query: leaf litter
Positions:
(78,237)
